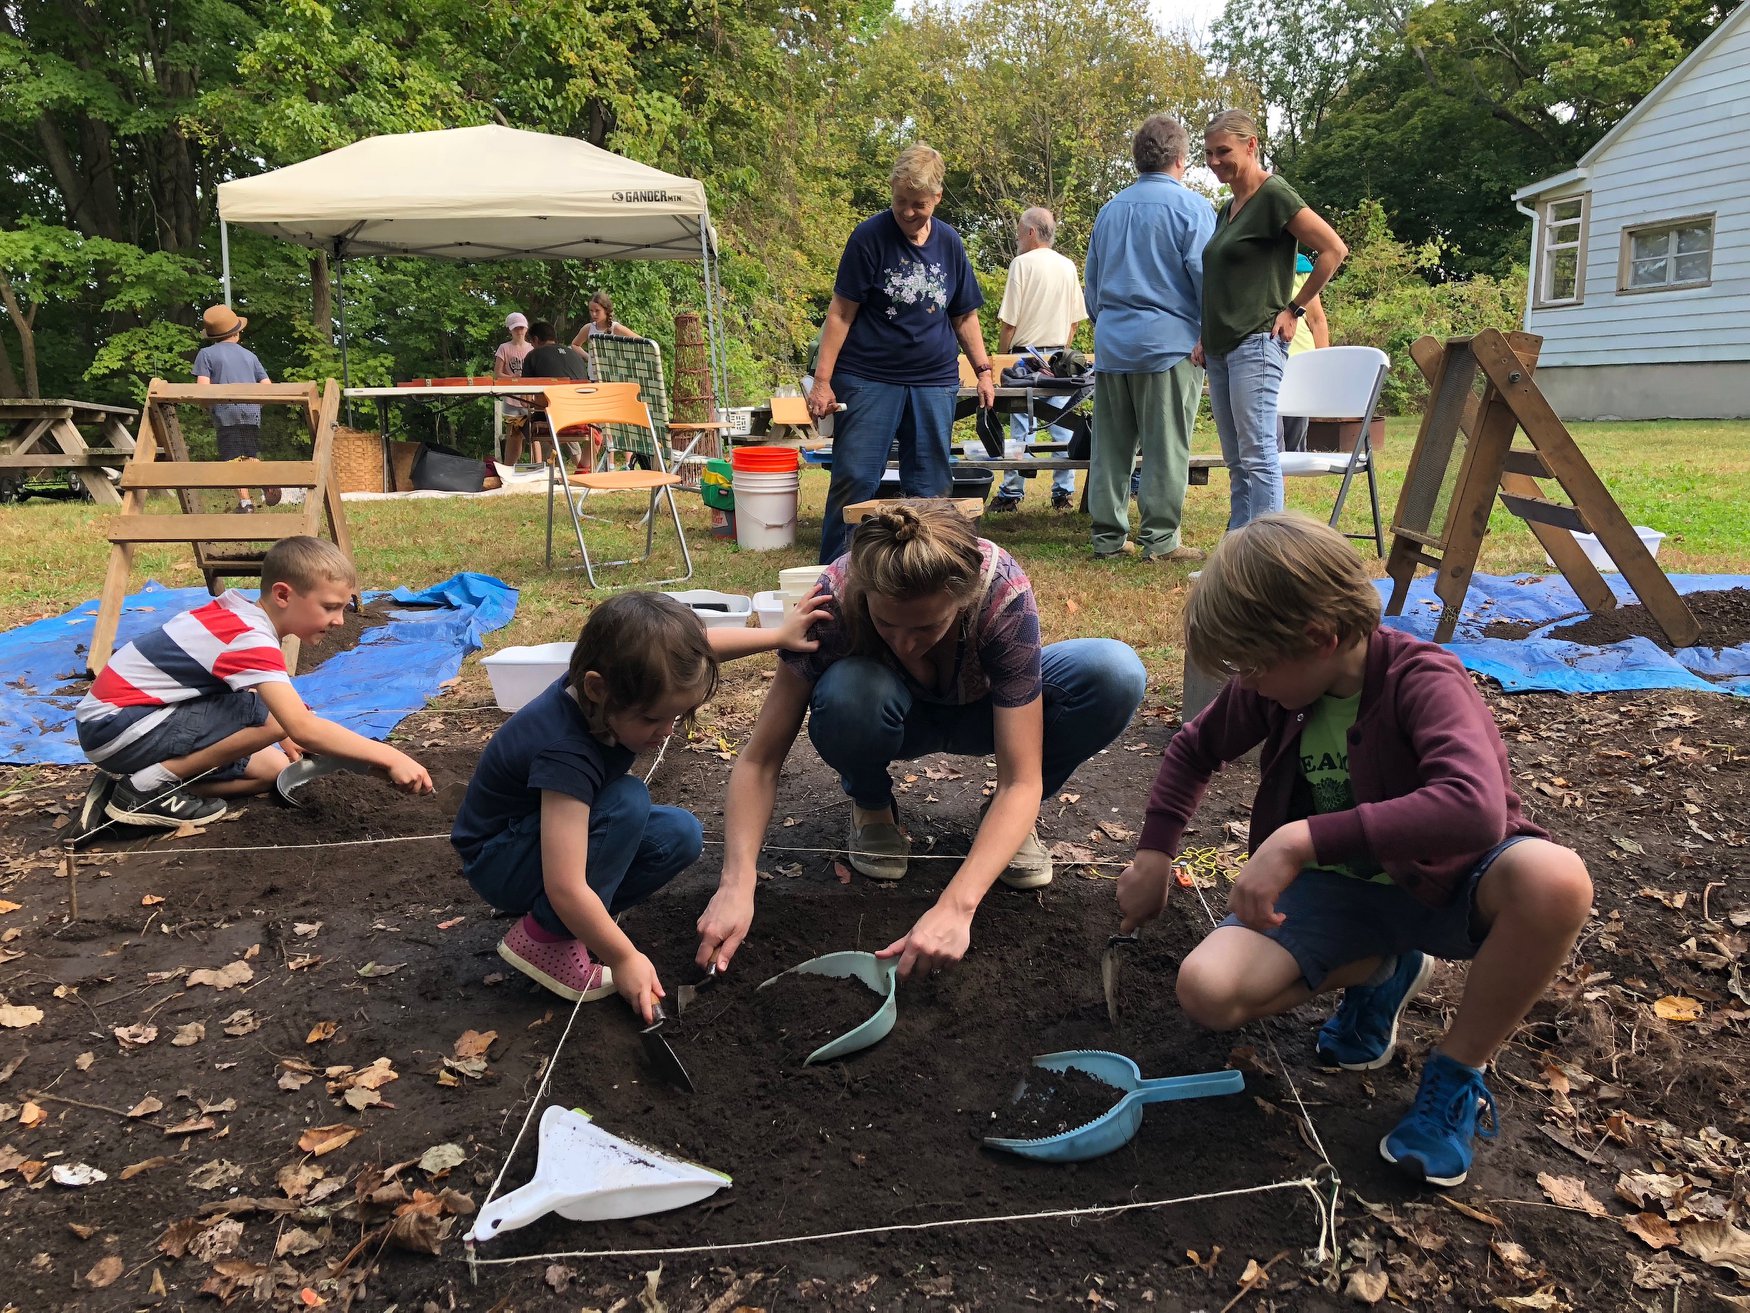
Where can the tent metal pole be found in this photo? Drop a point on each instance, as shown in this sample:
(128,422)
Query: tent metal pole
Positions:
(225,258)
(714,328)
(345,363)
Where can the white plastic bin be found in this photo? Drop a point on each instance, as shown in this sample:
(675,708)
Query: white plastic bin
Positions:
(520,674)
(717,610)
(1651,539)
(799,580)
(771,607)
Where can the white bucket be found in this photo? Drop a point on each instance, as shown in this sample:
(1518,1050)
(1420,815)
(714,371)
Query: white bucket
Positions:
(1651,539)
(765,509)
(799,580)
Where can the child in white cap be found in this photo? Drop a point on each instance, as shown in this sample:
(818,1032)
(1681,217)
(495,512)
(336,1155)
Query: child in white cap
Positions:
(507,366)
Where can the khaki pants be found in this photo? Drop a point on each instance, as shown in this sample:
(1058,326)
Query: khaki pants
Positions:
(1153,414)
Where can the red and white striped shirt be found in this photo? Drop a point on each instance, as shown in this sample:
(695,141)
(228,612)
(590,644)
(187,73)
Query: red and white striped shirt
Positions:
(227,645)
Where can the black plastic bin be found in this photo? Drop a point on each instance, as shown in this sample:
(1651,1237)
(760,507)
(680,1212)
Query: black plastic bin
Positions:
(967,483)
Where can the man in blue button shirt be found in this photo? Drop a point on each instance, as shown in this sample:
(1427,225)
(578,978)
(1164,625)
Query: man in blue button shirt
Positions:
(1143,285)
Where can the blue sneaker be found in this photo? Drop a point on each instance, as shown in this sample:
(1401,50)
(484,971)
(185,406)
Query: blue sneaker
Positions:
(1363,1032)
(1433,1142)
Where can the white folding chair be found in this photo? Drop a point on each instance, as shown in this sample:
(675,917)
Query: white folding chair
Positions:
(1337,382)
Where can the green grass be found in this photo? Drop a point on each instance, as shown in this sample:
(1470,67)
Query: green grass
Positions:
(1690,479)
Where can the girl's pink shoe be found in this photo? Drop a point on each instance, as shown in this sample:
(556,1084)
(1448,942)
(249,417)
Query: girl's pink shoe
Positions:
(566,968)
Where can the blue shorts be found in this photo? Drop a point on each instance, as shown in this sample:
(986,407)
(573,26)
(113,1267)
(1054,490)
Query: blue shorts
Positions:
(191,726)
(1333,920)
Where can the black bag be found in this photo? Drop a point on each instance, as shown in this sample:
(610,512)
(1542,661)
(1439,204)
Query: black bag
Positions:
(443,469)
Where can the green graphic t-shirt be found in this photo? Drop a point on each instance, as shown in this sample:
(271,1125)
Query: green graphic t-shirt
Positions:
(1324,764)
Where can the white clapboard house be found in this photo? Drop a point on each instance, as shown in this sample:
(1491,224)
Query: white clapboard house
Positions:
(1640,255)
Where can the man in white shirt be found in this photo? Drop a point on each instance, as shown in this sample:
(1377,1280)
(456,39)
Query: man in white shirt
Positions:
(1042,304)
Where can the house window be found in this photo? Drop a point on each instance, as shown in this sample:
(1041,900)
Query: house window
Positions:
(1667,255)
(1561,270)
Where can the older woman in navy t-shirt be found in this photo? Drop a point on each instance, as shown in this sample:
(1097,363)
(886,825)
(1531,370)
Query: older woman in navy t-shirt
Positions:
(904,292)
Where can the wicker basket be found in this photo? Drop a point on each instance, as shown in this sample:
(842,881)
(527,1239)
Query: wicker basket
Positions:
(358,460)
(401,457)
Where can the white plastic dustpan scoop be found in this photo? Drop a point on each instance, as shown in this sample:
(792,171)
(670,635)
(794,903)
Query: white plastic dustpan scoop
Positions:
(588,1175)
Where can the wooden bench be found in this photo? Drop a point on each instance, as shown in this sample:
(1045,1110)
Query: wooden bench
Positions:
(47,433)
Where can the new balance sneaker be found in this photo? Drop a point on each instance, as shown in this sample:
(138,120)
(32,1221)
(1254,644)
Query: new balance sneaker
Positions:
(566,967)
(1004,505)
(1061,501)
(91,816)
(1030,868)
(1433,1142)
(1363,1032)
(165,811)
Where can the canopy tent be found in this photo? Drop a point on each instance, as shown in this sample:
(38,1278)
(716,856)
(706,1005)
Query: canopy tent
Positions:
(486,193)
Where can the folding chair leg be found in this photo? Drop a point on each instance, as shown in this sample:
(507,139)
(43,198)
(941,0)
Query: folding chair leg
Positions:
(1373,499)
(680,533)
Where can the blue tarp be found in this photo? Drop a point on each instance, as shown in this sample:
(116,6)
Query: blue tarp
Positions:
(393,670)
(1538,662)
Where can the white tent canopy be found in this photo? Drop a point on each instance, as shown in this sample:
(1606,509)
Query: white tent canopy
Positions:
(486,193)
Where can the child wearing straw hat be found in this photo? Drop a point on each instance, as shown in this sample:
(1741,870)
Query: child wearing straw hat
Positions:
(225,360)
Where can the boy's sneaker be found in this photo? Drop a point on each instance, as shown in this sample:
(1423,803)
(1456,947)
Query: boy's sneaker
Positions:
(566,968)
(92,815)
(1433,1143)
(1004,505)
(1363,1032)
(165,811)
(1061,501)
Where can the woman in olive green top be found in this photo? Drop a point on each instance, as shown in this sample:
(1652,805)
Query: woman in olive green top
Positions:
(1251,308)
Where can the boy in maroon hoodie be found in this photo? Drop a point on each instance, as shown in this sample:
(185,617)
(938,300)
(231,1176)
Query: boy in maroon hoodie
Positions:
(1386,831)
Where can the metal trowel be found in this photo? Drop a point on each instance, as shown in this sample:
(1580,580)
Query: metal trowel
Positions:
(1109,971)
(661,1056)
(684,996)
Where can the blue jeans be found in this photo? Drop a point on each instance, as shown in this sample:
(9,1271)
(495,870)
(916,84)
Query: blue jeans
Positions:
(635,847)
(875,414)
(863,716)
(1242,392)
(1022,429)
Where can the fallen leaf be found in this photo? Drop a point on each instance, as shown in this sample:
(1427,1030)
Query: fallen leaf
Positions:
(359,1097)
(1651,1229)
(1628,845)
(441,1158)
(16,1016)
(1677,1007)
(1072,854)
(191,1126)
(210,1176)
(77,1174)
(242,1022)
(84,1061)
(1570,1192)
(320,1031)
(226,977)
(134,1037)
(326,1139)
(474,1043)
(295,1179)
(297,1242)
(32,1115)
(1516,1259)
(302,961)
(151,900)
(371,970)
(305,929)
(132,1170)
(452,923)
(217,1241)
(83,1232)
(1541,1301)
(293,1080)
(146,1107)
(105,1272)
(842,871)
(1718,1243)
(559,1278)
(1367,1286)
(193,1033)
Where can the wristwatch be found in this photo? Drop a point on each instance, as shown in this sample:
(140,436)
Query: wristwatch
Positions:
(1298,311)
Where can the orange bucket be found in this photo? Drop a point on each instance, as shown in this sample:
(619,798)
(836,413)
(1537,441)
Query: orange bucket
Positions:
(765,460)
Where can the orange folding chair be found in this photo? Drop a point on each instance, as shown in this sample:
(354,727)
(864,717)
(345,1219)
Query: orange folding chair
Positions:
(583,404)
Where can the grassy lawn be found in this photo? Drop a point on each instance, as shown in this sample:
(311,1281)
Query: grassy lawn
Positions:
(1690,479)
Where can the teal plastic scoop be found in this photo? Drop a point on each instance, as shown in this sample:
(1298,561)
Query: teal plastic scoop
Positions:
(878,975)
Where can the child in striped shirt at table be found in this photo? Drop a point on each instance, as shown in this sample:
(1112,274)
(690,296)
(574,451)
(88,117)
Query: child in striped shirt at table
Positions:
(203,708)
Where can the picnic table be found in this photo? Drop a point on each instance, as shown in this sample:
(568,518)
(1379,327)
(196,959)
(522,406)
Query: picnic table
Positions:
(38,434)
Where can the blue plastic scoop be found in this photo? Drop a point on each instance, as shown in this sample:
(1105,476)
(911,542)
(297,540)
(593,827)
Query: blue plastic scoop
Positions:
(1119,1125)
(878,975)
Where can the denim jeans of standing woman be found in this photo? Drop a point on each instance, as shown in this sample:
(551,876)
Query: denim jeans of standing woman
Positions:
(1243,386)
(875,414)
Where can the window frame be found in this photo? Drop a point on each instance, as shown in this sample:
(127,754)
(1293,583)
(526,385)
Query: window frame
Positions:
(1625,255)
(1541,298)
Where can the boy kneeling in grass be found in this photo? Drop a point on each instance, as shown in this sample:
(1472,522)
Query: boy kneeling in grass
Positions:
(207,700)
(1386,831)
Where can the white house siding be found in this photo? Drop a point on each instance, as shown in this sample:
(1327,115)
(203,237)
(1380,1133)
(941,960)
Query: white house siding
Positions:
(1687,153)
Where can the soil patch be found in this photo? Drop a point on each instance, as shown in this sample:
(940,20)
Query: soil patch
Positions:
(379,951)
(1724,616)
(806,1011)
(357,624)
(1052,1102)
